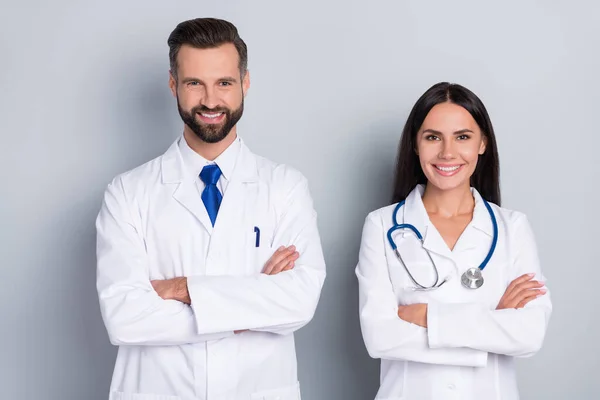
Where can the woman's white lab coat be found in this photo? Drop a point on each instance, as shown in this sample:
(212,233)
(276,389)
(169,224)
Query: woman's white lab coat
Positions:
(467,351)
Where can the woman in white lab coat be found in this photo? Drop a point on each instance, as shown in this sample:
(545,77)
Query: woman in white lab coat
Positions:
(457,339)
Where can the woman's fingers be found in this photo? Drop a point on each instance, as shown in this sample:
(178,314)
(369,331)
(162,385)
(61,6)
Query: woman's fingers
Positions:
(516,282)
(524,286)
(529,296)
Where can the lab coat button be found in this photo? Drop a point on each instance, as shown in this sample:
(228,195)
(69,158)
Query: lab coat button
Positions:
(451,386)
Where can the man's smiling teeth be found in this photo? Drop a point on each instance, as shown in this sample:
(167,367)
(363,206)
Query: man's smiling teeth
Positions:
(448,169)
(211,115)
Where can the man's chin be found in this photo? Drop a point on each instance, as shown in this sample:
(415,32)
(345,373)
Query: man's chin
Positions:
(210,136)
(214,139)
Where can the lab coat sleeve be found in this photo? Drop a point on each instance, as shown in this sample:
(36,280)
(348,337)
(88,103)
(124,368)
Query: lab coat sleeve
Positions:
(281,303)
(512,332)
(132,311)
(386,336)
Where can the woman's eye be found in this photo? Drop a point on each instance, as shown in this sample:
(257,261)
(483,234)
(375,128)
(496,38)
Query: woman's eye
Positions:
(431,137)
(463,137)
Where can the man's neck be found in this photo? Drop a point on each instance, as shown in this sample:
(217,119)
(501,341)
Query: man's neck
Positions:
(209,151)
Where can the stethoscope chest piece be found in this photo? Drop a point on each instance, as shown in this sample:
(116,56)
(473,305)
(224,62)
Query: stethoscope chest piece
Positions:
(472,278)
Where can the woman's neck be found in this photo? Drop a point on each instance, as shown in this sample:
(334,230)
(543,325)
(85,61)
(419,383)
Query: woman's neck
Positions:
(448,203)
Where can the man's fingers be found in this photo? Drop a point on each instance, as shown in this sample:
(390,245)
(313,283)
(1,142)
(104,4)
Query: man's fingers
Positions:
(279,256)
(269,264)
(401,311)
(289,266)
(278,260)
(281,253)
(284,263)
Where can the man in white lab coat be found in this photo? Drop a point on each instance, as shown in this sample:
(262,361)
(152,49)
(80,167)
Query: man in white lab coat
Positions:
(209,258)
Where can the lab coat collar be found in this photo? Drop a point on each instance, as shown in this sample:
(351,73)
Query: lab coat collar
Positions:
(246,168)
(481,217)
(173,168)
(414,213)
(194,162)
(186,193)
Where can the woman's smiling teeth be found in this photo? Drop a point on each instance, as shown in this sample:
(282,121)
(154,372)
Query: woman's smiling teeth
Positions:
(448,169)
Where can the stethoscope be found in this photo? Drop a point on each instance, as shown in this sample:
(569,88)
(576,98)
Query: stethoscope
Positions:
(471,279)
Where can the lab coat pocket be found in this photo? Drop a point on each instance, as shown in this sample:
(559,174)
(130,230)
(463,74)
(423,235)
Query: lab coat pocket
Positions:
(286,393)
(140,396)
(407,291)
(259,250)
(260,257)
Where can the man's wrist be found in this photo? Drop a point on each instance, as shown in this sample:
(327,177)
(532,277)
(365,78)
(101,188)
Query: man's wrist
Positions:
(181,290)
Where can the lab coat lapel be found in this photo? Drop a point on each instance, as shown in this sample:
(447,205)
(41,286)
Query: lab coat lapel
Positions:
(238,197)
(415,214)
(185,192)
(434,242)
(480,231)
(468,240)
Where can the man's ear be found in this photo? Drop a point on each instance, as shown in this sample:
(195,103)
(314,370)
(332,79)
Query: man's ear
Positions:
(246,83)
(172,84)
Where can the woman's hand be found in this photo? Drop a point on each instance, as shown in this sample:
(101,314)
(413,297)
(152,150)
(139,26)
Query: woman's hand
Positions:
(520,292)
(414,313)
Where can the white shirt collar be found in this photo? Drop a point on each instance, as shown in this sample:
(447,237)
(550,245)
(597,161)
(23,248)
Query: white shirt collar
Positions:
(194,162)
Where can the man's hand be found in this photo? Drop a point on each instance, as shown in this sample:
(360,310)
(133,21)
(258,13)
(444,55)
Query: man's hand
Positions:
(172,289)
(282,260)
(414,313)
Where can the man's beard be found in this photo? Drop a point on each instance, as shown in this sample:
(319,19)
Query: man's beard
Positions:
(211,133)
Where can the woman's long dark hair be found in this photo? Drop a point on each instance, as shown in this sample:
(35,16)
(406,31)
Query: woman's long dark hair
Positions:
(486,178)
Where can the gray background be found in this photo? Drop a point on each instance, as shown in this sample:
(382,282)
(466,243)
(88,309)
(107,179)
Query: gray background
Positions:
(84,96)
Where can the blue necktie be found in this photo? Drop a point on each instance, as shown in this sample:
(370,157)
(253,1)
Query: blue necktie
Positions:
(210,195)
